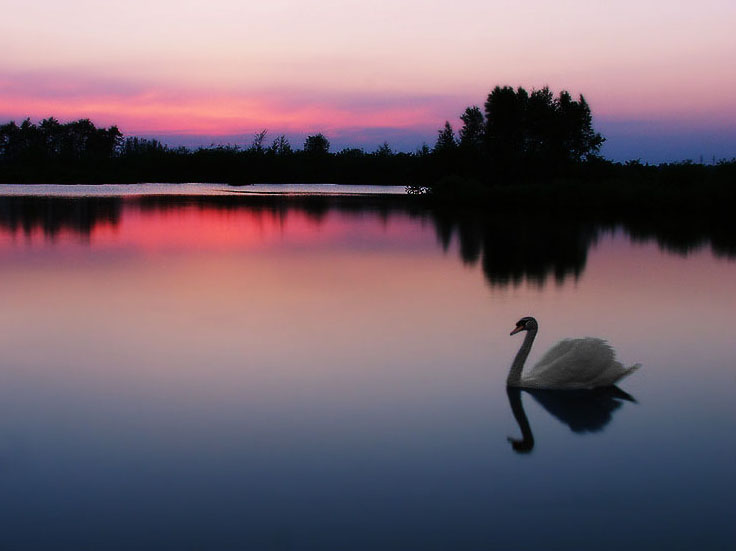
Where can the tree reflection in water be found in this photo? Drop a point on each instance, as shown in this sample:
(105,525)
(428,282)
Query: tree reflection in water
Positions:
(510,247)
(53,215)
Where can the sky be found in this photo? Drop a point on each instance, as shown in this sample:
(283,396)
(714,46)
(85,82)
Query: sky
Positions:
(659,75)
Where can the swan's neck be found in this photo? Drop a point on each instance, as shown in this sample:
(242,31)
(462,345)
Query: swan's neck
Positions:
(514,378)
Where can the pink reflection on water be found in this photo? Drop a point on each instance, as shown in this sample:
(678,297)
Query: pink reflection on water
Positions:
(197,228)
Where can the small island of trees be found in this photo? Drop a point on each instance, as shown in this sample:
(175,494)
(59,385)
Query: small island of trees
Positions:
(519,141)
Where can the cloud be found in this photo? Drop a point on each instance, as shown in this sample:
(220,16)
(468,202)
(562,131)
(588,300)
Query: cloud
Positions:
(197,115)
(142,107)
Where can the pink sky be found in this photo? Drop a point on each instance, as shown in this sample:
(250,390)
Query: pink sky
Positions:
(191,70)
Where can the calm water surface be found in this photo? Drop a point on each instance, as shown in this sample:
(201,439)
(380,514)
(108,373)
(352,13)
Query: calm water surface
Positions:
(192,189)
(242,373)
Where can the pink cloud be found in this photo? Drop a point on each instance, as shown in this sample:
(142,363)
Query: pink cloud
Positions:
(147,109)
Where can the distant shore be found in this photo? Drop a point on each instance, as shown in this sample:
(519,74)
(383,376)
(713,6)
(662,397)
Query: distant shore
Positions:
(524,150)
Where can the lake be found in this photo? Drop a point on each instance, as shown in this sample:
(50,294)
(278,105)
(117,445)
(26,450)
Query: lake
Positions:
(206,369)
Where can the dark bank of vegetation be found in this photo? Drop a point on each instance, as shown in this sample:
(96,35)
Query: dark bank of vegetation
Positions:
(78,152)
(520,148)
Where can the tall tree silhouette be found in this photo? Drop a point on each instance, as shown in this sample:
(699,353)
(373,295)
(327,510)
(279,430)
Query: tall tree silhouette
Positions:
(317,144)
(280,146)
(445,140)
(581,140)
(472,134)
(505,119)
(258,140)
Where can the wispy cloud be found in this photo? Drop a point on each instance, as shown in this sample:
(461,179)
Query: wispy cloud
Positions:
(147,108)
(229,67)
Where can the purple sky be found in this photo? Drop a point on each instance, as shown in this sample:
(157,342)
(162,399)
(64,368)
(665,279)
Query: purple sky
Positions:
(658,75)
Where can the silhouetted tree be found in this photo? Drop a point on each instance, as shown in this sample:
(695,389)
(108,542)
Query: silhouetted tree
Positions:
(541,128)
(505,116)
(581,141)
(445,140)
(384,150)
(280,146)
(258,138)
(472,133)
(317,144)
(141,146)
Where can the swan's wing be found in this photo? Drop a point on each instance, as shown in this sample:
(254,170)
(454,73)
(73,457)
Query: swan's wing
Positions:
(577,363)
(560,350)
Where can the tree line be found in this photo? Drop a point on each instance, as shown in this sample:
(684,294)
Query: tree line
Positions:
(79,152)
(517,138)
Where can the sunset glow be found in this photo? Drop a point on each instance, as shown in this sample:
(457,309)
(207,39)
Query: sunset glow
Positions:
(227,69)
(144,231)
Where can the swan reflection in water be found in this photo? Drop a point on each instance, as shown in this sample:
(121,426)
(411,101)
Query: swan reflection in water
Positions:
(581,410)
(574,381)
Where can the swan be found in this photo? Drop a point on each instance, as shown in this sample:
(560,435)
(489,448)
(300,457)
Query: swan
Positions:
(572,364)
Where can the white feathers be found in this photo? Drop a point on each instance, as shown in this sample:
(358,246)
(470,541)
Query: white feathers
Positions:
(577,363)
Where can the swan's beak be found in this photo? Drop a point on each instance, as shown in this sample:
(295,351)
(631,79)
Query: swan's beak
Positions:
(517,329)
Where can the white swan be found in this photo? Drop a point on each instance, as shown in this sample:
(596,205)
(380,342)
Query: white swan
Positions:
(570,364)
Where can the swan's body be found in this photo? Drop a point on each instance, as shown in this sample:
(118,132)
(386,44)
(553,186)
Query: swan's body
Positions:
(573,364)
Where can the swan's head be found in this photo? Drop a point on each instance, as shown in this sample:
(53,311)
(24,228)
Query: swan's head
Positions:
(525,324)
